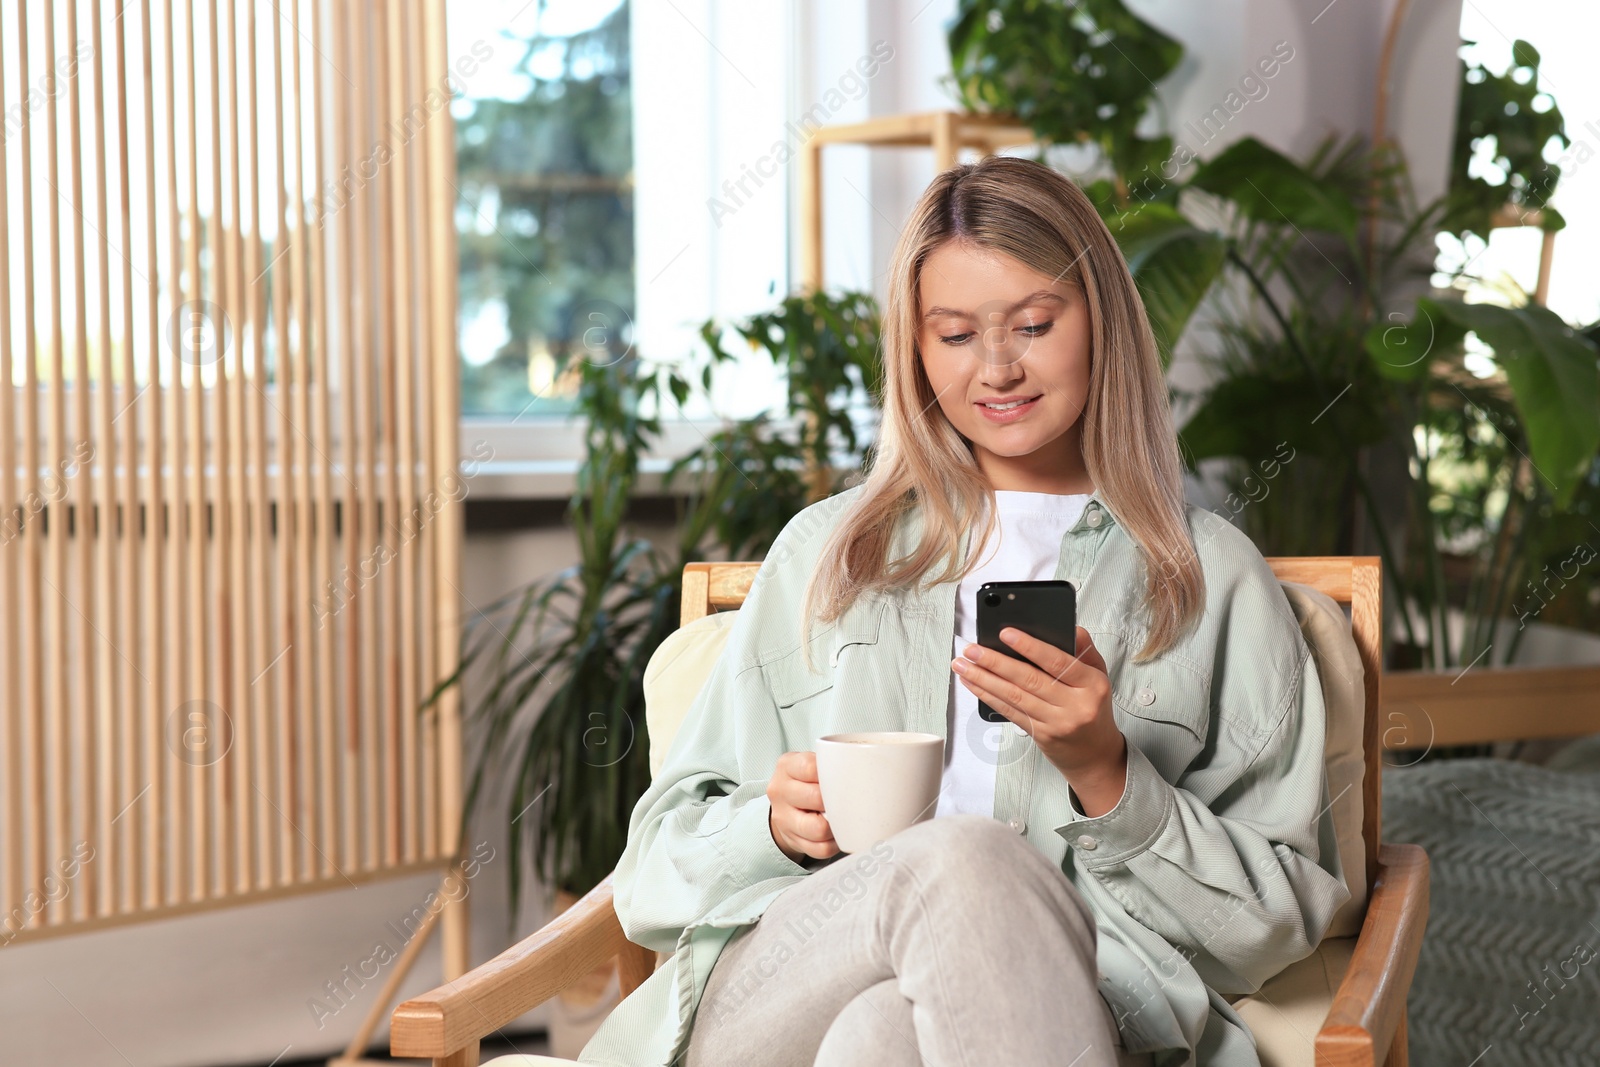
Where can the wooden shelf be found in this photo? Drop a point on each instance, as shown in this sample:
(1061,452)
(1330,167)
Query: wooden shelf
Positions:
(946,132)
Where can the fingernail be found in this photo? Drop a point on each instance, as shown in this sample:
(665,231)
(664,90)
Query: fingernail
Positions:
(959,666)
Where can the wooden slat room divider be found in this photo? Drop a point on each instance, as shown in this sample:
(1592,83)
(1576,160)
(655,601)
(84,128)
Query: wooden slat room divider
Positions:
(231,509)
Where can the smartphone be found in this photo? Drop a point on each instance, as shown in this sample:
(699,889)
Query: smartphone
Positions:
(1045,609)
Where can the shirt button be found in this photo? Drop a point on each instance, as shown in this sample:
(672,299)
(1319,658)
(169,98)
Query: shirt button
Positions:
(1017,825)
(1087,843)
(1093,518)
(1147,696)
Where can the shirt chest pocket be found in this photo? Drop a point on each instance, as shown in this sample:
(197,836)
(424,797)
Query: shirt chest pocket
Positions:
(1163,706)
(790,682)
(835,648)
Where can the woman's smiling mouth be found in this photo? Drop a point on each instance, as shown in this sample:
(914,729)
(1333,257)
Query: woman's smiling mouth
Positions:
(1003,409)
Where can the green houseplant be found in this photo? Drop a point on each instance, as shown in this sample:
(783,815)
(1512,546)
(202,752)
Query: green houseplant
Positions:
(1079,74)
(563,656)
(1315,354)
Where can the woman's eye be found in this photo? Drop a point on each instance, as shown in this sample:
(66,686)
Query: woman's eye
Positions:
(1035,330)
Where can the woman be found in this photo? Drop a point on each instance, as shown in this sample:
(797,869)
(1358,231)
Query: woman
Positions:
(1147,833)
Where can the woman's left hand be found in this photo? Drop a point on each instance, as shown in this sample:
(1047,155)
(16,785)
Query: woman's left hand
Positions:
(1064,704)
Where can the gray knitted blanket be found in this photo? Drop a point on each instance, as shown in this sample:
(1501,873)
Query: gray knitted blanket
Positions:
(1510,969)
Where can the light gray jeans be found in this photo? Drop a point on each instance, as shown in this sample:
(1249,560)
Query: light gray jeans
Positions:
(954,942)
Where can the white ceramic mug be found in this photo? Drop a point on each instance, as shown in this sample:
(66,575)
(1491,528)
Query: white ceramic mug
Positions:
(876,784)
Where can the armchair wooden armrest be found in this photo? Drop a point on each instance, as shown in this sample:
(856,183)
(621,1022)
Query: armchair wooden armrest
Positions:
(446,1024)
(1366,1024)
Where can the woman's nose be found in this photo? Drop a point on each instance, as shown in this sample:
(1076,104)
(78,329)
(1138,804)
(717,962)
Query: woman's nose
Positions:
(1000,365)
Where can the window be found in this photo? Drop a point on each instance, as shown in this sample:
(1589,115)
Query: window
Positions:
(1509,259)
(545,198)
(595,186)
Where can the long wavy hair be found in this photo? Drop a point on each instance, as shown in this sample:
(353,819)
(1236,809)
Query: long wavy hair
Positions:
(1036,215)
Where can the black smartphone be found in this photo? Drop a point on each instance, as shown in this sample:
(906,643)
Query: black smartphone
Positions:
(1045,609)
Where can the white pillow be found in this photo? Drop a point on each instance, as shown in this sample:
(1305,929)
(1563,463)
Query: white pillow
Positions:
(674,674)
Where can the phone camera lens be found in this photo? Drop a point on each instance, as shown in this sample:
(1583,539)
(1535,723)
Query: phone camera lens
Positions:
(992,599)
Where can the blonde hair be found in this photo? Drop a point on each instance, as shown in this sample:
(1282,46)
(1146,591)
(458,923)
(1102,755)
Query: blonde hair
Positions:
(1036,215)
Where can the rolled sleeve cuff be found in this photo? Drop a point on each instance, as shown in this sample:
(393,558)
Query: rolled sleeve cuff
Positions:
(1129,828)
(750,839)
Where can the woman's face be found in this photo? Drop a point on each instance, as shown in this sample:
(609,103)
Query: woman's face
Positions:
(995,331)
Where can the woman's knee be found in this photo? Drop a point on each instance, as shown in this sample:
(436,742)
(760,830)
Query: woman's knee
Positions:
(962,843)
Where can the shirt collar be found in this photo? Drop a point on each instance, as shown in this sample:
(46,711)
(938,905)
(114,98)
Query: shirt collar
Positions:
(1095,519)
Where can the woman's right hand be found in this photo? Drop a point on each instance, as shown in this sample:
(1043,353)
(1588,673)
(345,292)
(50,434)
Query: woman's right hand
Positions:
(797,823)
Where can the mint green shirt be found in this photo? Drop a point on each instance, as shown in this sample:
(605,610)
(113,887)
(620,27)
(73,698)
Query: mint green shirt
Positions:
(1217,868)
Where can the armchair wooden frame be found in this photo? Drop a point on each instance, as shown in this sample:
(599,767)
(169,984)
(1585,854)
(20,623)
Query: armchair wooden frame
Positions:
(1365,1027)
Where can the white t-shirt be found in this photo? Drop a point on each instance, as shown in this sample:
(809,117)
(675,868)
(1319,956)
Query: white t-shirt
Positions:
(1026,547)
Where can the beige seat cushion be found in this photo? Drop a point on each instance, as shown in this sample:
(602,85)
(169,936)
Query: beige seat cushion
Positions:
(674,674)
(1327,631)
(1287,1012)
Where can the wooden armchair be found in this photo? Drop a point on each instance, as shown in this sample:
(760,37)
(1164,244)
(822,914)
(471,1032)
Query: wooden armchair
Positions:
(1363,1020)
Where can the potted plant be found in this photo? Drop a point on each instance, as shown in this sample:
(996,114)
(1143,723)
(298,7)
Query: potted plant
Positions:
(1317,353)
